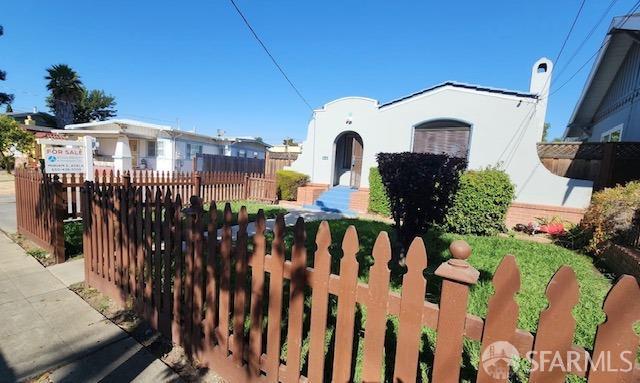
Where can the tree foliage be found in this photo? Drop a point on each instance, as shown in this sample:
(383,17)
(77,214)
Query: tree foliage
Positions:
(66,92)
(13,139)
(94,105)
(71,102)
(5,98)
(420,187)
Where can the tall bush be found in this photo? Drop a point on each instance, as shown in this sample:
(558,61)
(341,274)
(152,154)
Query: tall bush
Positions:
(287,183)
(378,200)
(420,187)
(481,202)
(612,217)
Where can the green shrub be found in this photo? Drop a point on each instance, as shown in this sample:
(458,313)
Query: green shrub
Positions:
(611,217)
(73,238)
(287,182)
(378,200)
(420,187)
(38,254)
(481,202)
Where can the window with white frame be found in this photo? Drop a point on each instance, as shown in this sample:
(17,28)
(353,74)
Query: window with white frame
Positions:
(612,135)
(160,148)
(151,148)
(193,150)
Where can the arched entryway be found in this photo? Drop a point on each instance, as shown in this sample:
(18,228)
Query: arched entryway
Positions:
(347,166)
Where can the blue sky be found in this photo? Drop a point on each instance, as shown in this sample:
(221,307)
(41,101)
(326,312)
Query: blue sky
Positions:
(195,63)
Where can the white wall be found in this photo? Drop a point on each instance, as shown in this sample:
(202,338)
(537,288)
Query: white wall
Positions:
(504,129)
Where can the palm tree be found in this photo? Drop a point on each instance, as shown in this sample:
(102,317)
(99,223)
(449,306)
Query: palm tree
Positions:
(66,90)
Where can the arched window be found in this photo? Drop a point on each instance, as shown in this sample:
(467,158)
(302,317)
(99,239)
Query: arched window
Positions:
(442,136)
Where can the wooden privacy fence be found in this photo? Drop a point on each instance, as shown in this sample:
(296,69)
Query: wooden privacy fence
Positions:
(235,307)
(275,161)
(44,202)
(220,163)
(605,163)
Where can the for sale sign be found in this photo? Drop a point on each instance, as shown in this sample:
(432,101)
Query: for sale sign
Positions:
(64,160)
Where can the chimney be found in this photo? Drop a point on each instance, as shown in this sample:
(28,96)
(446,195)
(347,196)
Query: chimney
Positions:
(35,109)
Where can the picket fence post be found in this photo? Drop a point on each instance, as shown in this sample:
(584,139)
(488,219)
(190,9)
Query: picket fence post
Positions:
(457,276)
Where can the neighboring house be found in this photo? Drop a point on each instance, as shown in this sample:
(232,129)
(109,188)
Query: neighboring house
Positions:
(129,144)
(609,106)
(286,149)
(486,125)
(40,124)
(40,120)
(245,147)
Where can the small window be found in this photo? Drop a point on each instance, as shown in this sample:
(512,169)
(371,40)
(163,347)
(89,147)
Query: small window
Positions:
(612,135)
(242,153)
(151,148)
(160,148)
(193,150)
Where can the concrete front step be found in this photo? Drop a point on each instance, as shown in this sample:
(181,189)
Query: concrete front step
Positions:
(336,199)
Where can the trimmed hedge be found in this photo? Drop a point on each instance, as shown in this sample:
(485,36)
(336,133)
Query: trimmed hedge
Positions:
(378,200)
(481,203)
(287,183)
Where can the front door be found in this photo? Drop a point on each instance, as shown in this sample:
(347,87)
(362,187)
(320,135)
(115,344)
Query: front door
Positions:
(356,162)
(133,147)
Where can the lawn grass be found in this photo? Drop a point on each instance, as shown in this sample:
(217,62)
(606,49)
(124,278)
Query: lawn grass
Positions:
(537,262)
(270,211)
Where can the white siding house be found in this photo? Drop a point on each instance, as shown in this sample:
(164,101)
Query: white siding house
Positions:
(489,126)
(129,144)
(608,109)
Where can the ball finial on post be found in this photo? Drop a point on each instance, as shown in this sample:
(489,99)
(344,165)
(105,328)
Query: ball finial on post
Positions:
(460,251)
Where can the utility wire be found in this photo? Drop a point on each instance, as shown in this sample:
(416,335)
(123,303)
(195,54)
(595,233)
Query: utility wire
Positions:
(629,14)
(522,127)
(584,41)
(264,47)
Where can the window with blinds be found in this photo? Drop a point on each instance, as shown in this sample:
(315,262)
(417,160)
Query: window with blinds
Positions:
(449,137)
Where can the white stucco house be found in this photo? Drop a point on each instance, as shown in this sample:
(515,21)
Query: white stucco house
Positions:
(128,144)
(488,126)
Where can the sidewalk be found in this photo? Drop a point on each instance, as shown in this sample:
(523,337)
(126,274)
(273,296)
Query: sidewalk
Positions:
(46,327)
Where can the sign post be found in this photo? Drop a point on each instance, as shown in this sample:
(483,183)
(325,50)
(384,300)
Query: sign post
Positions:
(66,156)
(62,160)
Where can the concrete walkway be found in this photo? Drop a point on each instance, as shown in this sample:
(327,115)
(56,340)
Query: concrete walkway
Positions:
(289,220)
(46,327)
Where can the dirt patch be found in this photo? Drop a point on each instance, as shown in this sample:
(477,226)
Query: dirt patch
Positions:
(32,249)
(153,341)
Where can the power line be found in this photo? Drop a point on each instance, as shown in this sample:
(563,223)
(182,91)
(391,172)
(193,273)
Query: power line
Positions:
(522,127)
(264,47)
(573,24)
(629,14)
(591,32)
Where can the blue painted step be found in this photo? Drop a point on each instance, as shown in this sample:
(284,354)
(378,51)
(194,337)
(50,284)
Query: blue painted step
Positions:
(335,200)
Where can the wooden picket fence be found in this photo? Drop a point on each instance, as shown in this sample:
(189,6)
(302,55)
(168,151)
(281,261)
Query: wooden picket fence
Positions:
(40,210)
(44,202)
(223,299)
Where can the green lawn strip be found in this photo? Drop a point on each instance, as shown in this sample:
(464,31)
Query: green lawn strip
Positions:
(537,263)
(270,211)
